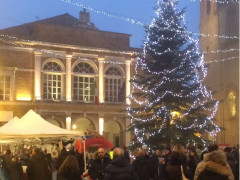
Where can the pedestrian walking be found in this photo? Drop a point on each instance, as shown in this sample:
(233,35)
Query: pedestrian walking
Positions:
(97,167)
(37,168)
(177,164)
(142,166)
(214,167)
(70,169)
(119,168)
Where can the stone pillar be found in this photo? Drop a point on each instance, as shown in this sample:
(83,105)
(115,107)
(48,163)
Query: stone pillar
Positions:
(68,121)
(101,79)
(37,75)
(100,124)
(68,78)
(128,76)
(127,133)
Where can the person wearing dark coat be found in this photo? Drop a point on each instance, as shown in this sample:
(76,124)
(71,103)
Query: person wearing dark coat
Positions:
(37,168)
(119,168)
(142,166)
(97,167)
(192,162)
(5,166)
(214,167)
(154,162)
(166,154)
(9,169)
(67,150)
(17,171)
(126,154)
(70,169)
(230,159)
(173,167)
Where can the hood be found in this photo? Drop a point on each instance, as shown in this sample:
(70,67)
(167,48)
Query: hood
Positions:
(119,161)
(217,156)
(142,160)
(217,168)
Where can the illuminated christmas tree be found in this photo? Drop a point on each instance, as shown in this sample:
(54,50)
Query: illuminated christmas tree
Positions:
(170,104)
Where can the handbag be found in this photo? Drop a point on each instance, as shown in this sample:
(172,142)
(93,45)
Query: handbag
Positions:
(183,176)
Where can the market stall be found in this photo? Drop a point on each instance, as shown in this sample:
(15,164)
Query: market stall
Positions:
(32,125)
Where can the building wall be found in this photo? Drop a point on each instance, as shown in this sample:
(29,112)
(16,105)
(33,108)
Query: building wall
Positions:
(223,75)
(20,63)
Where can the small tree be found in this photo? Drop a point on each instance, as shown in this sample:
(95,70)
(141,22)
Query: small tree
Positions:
(169,100)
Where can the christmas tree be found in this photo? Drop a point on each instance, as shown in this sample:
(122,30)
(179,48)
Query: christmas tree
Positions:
(170,104)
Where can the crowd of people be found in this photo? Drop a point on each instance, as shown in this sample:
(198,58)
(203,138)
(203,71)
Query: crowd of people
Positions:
(176,163)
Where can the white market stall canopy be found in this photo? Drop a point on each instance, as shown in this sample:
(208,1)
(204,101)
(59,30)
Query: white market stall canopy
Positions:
(32,125)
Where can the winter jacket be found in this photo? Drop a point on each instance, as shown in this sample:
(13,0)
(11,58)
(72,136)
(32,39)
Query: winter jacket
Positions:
(154,163)
(97,167)
(192,165)
(120,169)
(17,171)
(62,156)
(5,168)
(38,169)
(210,167)
(173,167)
(142,167)
(72,174)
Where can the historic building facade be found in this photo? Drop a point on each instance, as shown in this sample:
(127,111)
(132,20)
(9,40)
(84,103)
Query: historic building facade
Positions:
(72,74)
(222,19)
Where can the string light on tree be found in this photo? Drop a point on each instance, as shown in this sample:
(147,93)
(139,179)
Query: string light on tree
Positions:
(172,104)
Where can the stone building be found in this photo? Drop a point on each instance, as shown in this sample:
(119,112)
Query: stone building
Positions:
(222,19)
(72,74)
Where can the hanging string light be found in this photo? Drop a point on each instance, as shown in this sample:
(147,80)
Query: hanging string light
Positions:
(20,43)
(134,21)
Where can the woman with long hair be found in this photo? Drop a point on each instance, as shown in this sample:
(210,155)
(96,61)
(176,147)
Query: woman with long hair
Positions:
(176,163)
(70,169)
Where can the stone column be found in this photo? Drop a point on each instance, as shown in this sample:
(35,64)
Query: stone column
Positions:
(127,133)
(128,76)
(100,124)
(37,75)
(68,78)
(68,121)
(101,79)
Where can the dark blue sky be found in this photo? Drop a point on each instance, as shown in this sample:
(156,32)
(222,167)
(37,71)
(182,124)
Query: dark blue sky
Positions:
(16,12)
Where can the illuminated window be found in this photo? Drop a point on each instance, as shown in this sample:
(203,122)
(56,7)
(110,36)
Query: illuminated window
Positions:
(5,88)
(113,85)
(52,81)
(83,83)
(232,103)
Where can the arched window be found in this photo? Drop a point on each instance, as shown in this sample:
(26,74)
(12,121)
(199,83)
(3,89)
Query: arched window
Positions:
(52,81)
(232,103)
(83,83)
(114,87)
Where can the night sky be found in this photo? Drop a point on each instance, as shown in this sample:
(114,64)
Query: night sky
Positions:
(16,12)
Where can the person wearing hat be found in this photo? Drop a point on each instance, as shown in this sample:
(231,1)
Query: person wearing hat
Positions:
(67,150)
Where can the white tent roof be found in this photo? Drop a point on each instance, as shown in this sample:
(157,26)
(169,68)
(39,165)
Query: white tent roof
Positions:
(8,124)
(32,125)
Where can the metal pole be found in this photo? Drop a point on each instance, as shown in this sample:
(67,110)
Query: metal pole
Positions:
(84,154)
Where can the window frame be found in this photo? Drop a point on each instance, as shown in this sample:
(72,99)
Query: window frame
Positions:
(84,75)
(53,73)
(109,88)
(4,87)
